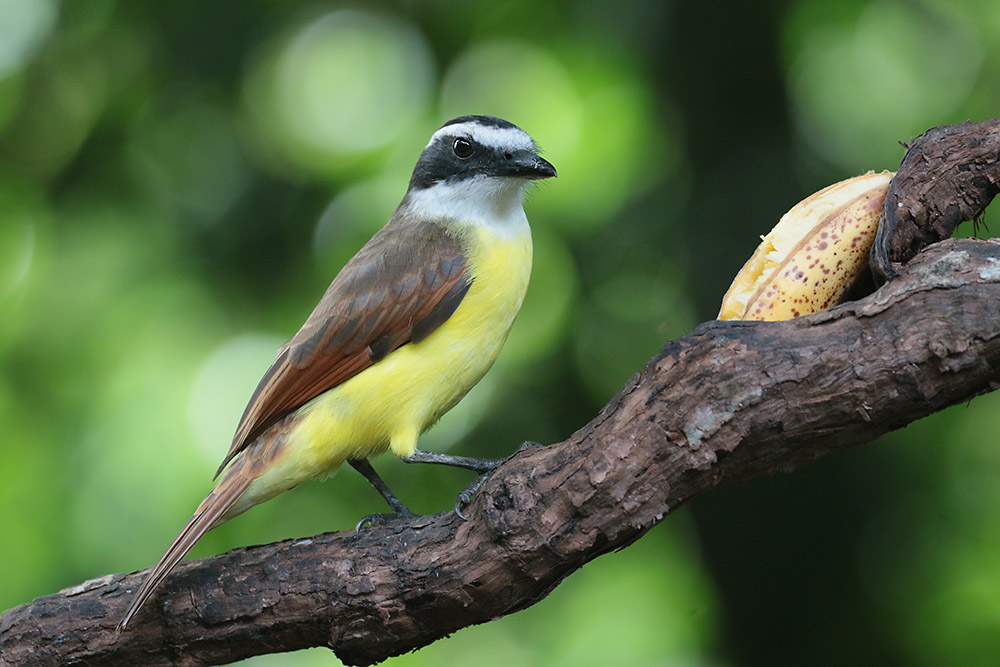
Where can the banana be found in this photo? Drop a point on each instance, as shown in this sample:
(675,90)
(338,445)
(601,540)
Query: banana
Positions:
(813,255)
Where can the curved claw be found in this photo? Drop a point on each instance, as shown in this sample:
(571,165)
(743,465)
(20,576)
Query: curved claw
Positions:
(464,499)
(382,518)
(461,502)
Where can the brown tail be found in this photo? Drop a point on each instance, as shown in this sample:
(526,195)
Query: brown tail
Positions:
(212,508)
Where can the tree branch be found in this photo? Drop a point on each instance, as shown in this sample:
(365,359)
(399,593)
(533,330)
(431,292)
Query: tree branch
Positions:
(728,402)
(949,175)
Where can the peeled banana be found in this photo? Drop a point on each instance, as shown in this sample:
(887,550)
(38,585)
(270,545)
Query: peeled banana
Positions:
(814,254)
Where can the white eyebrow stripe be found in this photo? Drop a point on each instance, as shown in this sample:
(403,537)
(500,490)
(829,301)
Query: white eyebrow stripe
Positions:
(494,137)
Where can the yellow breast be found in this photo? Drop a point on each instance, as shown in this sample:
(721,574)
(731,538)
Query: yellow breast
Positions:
(392,402)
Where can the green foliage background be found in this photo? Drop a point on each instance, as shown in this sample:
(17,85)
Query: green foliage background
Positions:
(180,180)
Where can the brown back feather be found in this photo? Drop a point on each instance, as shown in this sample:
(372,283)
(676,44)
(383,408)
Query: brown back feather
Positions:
(404,283)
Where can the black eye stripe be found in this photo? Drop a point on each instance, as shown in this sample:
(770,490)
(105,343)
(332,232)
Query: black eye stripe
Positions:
(455,156)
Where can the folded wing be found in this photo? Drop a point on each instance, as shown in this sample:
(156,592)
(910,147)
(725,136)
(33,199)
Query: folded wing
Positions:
(401,286)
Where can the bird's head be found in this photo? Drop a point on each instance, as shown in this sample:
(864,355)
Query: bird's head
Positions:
(470,148)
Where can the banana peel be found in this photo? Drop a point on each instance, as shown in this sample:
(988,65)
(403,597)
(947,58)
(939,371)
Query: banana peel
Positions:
(813,256)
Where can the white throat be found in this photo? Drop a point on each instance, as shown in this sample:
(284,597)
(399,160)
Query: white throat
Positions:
(482,201)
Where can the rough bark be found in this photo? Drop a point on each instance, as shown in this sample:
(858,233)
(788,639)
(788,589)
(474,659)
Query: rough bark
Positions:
(948,176)
(725,403)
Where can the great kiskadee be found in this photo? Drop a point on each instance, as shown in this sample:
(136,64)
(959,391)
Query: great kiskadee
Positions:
(410,324)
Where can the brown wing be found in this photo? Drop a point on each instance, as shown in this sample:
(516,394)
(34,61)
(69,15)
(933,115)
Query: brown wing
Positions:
(402,285)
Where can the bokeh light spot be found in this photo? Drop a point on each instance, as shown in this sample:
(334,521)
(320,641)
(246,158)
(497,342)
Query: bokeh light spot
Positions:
(887,69)
(352,217)
(521,83)
(24,24)
(543,321)
(189,155)
(222,388)
(17,240)
(345,83)
(592,116)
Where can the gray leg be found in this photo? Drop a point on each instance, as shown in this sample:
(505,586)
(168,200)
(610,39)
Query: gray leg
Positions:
(399,510)
(476,465)
(484,467)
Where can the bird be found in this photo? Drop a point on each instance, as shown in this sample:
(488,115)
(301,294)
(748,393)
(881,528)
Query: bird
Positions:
(407,327)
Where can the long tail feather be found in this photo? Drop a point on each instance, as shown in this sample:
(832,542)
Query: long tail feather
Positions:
(232,485)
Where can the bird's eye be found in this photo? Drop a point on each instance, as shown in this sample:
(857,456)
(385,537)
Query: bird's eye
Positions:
(462,148)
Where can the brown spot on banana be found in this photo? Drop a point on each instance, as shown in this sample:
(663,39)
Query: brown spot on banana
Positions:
(813,256)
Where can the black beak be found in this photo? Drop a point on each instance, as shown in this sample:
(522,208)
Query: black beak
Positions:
(526,164)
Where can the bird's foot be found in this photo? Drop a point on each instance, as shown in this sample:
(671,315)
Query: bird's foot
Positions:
(399,510)
(484,467)
(465,497)
(383,518)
